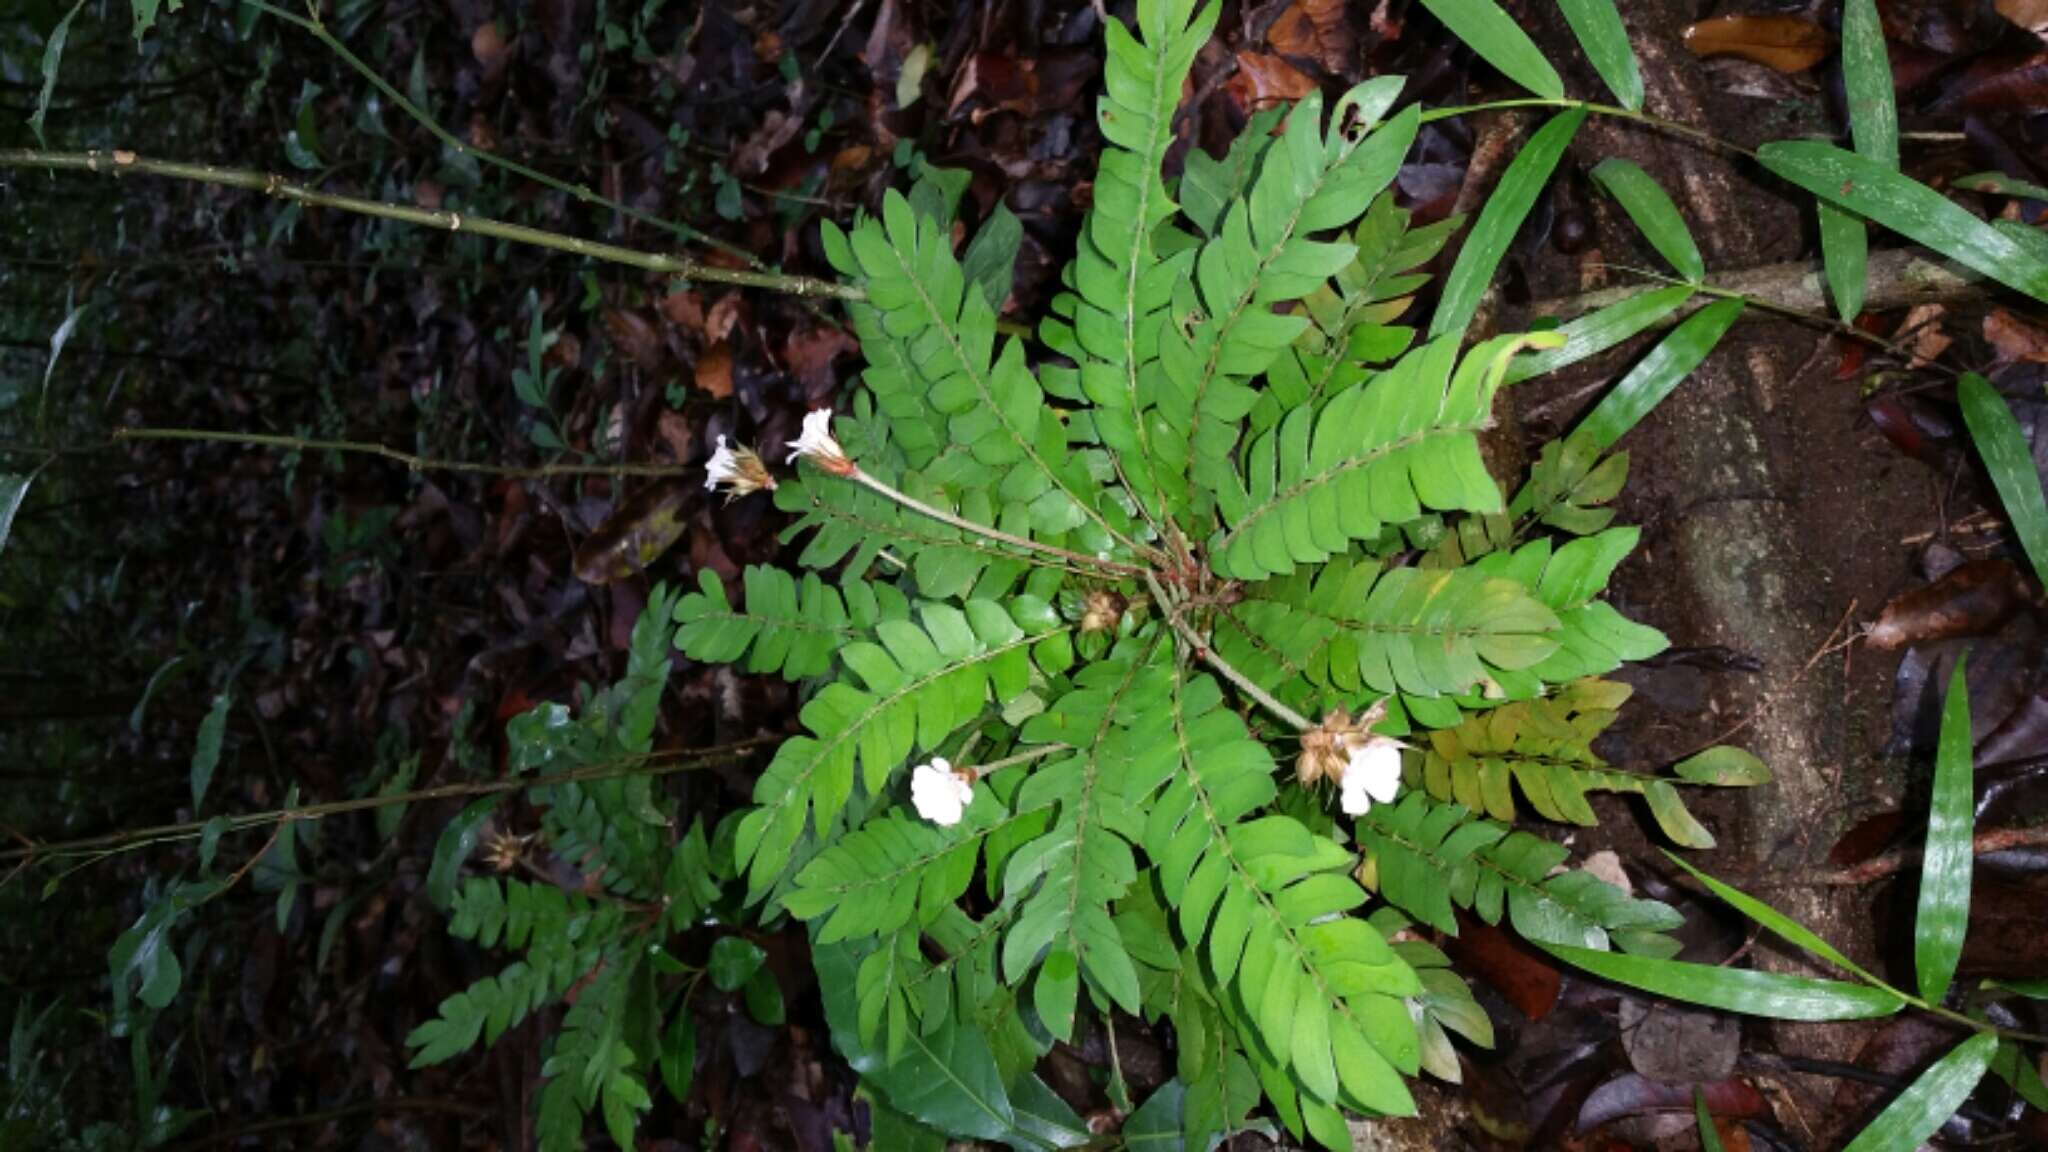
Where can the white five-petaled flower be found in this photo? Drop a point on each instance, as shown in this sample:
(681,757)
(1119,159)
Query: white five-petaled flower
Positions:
(738,470)
(940,794)
(1372,773)
(817,445)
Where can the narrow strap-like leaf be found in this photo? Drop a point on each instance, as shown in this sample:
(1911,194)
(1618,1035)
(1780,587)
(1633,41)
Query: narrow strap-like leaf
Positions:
(1874,126)
(2004,448)
(1597,331)
(1910,208)
(1501,219)
(1792,931)
(1605,41)
(1653,213)
(1651,381)
(1500,42)
(1928,1102)
(1944,911)
(1744,990)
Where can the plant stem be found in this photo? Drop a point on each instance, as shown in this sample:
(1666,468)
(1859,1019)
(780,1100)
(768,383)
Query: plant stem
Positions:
(1609,110)
(119,163)
(982,771)
(414,462)
(1115,567)
(649,765)
(1229,672)
(318,30)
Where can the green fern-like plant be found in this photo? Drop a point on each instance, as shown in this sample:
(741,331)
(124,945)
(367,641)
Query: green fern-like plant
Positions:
(1083,628)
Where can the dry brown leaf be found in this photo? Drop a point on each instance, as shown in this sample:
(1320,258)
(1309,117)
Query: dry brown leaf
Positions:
(1783,43)
(777,129)
(1973,600)
(685,310)
(1316,30)
(1924,334)
(488,45)
(714,371)
(2029,14)
(634,335)
(718,323)
(1261,80)
(810,353)
(678,435)
(2015,339)
(646,525)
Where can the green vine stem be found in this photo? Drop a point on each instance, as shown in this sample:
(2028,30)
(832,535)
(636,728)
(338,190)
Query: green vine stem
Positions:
(1200,648)
(118,162)
(410,460)
(312,25)
(1611,111)
(657,764)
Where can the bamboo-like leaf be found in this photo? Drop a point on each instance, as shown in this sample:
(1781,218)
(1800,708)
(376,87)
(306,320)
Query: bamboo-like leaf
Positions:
(1597,331)
(2006,457)
(1654,214)
(53,58)
(1651,381)
(1845,258)
(1604,39)
(207,754)
(1874,126)
(1928,1102)
(1944,909)
(1744,990)
(13,490)
(1710,1137)
(1791,930)
(1499,41)
(1910,208)
(1502,217)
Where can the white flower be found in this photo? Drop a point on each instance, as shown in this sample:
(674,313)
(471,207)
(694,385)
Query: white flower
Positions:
(738,470)
(817,443)
(939,793)
(1372,773)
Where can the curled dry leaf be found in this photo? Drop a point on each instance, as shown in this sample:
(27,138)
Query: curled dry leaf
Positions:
(2029,14)
(714,371)
(2014,339)
(635,535)
(1262,80)
(1783,43)
(1923,333)
(1974,599)
(633,335)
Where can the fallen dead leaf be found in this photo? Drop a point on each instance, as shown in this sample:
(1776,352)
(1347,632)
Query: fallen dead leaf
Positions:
(2015,339)
(777,129)
(1924,334)
(1317,30)
(632,334)
(1782,43)
(676,434)
(810,353)
(1607,866)
(718,323)
(488,45)
(714,371)
(1261,80)
(646,525)
(685,310)
(1972,600)
(2029,14)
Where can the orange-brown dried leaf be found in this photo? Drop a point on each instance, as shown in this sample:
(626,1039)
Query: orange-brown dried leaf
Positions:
(1262,80)
(1317,30)
(634,536)
(811,351)
(1784,43)
(1973,600)
(2014,339)
(634,335)
(685,310)
(714,371)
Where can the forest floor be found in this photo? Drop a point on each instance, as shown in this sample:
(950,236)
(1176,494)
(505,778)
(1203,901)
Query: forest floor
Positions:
(375,623)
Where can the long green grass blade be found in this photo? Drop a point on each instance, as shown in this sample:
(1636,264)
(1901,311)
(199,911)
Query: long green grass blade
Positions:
(1500,220)
(1874,126)
(2003,448)
(1910,208)
(1844,258)
(1654,214)
(1928,1102)
(1944,912)
(1790,930)
(1597,331)
(1710,1138)
(13,490)
(1652,380)
(1605,41)
(1744,990)
(1499,41)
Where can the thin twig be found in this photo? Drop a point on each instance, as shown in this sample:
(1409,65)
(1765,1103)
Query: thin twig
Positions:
(410,460)
(1892,863)
(1096,563)
(659,764)
(119,162)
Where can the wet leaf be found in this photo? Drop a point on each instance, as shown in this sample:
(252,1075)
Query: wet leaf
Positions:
(1910,208)
(1723,766)
(458,839)
(1650,381)
(1745,990)
(1929,1101)
(2007,458)
(1499,41)
(734,960)
(1604,39)
(1783,43)
(632,538)
(207,753)
(13,490)
(1653,213)
(1944,909)
(1498,222)
(1972,599)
